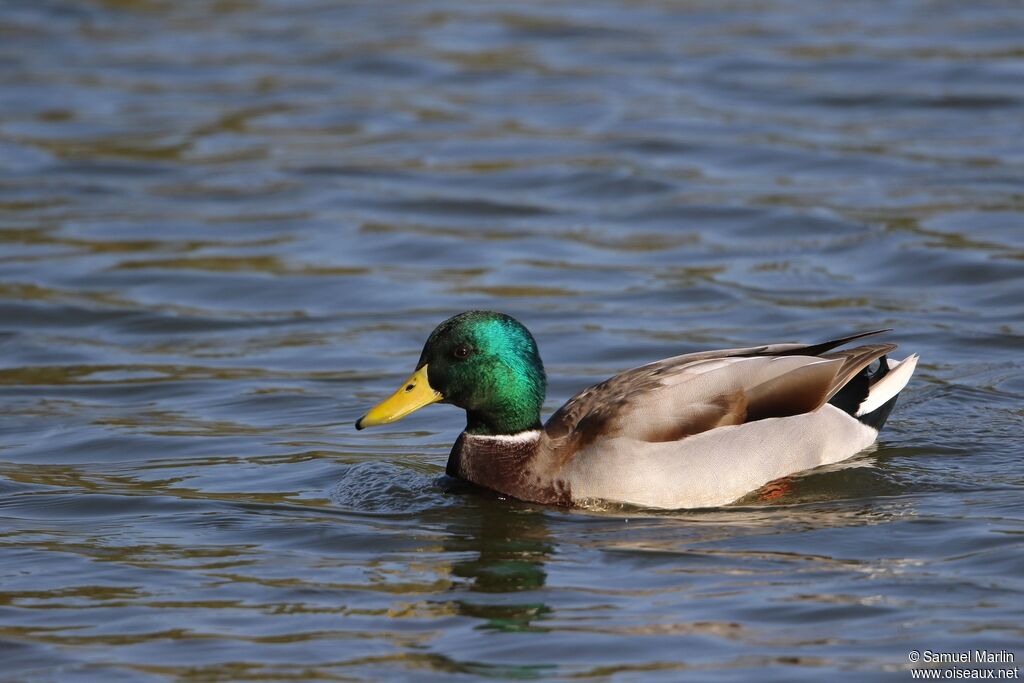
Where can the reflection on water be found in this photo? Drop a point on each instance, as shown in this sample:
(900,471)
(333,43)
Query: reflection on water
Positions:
(226,228)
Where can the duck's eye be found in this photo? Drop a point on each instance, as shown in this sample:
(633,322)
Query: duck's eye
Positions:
(462,351)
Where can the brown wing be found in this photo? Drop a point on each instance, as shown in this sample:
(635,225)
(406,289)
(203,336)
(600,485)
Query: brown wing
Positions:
(678,397)
(855,360)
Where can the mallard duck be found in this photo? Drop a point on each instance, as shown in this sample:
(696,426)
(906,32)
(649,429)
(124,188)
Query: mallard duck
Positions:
(697,430)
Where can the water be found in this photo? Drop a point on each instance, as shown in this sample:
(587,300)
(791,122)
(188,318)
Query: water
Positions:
(226,229)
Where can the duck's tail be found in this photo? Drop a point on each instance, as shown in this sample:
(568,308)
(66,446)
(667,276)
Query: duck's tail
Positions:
(870,396)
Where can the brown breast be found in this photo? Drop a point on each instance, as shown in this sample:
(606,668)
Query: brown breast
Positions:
(522,468)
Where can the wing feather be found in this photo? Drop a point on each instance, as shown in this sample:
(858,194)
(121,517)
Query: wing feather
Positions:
(855,360)
(679,397)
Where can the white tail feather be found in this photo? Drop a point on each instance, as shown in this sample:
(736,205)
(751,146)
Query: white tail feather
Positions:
(890,385)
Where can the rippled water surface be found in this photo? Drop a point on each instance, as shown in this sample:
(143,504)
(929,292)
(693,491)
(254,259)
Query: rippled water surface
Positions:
(226,228)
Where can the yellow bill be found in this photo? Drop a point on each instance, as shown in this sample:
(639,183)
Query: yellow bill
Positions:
(415,393)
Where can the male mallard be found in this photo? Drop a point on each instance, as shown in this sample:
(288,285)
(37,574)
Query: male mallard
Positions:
(698,430)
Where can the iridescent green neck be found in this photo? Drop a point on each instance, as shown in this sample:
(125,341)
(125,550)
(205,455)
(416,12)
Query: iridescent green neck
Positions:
(508,417)
(512,383)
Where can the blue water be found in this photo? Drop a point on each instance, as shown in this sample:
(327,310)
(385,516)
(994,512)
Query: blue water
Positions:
(227,227)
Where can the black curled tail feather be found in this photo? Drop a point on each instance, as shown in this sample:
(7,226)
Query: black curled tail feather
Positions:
(849,398)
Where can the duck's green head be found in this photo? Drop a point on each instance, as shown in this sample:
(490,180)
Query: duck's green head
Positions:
(484,362)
